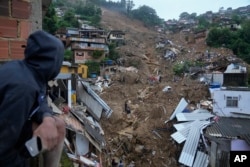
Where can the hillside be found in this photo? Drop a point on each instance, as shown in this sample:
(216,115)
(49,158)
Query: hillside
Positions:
(144,138)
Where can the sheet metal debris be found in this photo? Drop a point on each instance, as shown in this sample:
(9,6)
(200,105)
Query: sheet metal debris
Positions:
(181,106)
(193,116)
(188,152)
(190,130)
(201,159)
(85,137)
(198,128)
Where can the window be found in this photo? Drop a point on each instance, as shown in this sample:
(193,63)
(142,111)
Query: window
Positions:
(79,54)
(232,101)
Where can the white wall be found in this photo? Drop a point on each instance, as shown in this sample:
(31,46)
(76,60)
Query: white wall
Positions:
(220,108)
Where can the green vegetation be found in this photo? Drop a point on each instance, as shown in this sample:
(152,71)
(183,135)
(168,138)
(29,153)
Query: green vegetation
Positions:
(97,54)
(144,13)
(72,11)
(68,20)
(89,12)
(182,67)
(68,54)
(147,15)
(113,54)
(203,23)
(50,20)
(236,40)
(65,161)
(93,67)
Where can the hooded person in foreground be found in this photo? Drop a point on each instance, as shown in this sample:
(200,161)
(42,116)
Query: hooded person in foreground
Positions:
(24,112)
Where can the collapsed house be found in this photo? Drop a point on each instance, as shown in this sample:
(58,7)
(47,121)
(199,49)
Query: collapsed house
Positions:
(81,108)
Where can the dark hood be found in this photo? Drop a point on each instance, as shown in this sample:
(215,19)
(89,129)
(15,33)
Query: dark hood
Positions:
(44,54)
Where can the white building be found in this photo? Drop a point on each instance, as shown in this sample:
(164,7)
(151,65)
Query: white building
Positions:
(232,102)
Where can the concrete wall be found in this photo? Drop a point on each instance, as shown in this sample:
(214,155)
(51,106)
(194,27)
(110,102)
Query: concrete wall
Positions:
(220,108)
(19,18)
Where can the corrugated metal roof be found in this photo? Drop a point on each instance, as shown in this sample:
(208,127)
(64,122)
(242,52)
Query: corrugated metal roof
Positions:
(94,107)
(201,160)
(180,107)
(181,125)
(182,135)
(193,116)
(190,146)
(106,108)
(229,127)
(246,137)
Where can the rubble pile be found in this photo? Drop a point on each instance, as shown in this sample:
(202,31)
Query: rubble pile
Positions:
(143,137)
(129,113)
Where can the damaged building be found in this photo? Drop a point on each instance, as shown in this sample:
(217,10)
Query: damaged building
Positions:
(73,100)
(210,136)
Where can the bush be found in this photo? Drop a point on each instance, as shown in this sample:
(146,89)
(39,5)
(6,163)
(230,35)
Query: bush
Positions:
(93,67)
(68,54)
(97,54)
(178,68)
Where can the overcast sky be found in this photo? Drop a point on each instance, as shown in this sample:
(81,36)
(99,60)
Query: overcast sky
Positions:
(171,9)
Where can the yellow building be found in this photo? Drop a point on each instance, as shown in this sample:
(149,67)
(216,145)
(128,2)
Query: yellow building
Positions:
(80,69)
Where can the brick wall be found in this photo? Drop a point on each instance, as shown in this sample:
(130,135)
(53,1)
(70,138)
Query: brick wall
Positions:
(18,18)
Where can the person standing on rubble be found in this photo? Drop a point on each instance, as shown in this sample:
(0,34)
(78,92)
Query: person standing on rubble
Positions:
(24,112)
(127,108)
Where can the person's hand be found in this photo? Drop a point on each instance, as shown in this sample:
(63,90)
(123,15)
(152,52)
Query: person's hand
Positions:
(47,131)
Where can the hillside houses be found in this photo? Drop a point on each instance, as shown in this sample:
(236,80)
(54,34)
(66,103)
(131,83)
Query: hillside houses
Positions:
(223,17)
(89,44)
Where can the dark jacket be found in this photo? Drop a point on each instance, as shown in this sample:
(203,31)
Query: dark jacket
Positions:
(22,91)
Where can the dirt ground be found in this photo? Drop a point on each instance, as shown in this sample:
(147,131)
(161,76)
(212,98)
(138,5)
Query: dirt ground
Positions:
(143,138)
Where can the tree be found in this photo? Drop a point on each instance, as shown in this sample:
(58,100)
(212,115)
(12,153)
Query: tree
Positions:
(69,19)
(236,18)
(184,15)
(93,67)
(203,23)
(68,54)
(89,12)
(238,41)
(245,32)
(50,20)
(212,37)
(130,5)
(123,3)
(193,16)
(113,54)
(147,15)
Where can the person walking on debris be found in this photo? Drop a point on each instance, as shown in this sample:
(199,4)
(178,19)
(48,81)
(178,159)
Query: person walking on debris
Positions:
(24,112)
(127,108)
